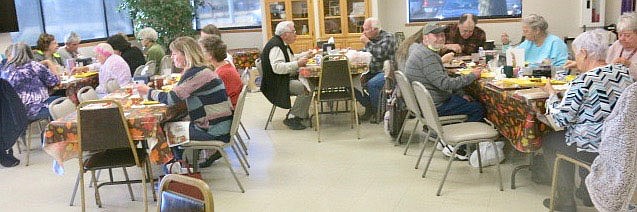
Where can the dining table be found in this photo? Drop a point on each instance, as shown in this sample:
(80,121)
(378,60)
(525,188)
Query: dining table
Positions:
(71,84)
(144,122)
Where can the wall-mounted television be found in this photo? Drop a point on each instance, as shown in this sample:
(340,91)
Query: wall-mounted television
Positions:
(8,16)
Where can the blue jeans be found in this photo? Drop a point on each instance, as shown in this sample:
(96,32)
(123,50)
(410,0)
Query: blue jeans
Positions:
(374,86)
(456,105)
(44,112)
(197,135)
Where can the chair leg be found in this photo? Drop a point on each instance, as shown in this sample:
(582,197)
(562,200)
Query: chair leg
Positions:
(130,189)
(149,172)
(497,156)
(410,136)
(77,183)
(225,157)
(442,182)
(243,144)
(28,145)
(98,200)
(145,199)
(242,155)
(244,130)
(239,158)
(270,117)
(23,140)
(82,193)
(423,149)
(424,172)
(318,121)
(556,171)
(479,157)
(402,129)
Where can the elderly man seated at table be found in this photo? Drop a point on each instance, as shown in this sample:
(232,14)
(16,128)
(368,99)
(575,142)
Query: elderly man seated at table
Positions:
(425,66)
(581,111)
(280,67)
(71,44)
(209,108)
(464,37)
(111,67)
(382,45)
(540,46)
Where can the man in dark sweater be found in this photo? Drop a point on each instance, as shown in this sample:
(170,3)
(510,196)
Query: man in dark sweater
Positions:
(464,37)
(280,65)
(425,66)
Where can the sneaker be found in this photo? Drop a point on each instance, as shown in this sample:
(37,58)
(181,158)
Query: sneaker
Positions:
(210,160)
(7,160)
(461,154)
(560,207)
(294,123)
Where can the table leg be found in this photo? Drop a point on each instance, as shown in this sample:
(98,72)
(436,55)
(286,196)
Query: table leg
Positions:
(520,167)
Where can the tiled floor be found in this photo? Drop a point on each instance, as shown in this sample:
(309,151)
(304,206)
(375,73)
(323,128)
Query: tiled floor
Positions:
(292,172)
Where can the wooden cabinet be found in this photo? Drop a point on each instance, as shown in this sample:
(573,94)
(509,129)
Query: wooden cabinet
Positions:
(298,11)
(343,20)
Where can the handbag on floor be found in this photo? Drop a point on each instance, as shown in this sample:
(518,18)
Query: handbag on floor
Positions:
(182,168)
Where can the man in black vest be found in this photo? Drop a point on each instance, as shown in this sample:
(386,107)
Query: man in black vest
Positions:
(280,67)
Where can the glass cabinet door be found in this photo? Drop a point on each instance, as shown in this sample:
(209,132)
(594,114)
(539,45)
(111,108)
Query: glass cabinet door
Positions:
(355,15)
(332,14)
(300,17)
(277,14)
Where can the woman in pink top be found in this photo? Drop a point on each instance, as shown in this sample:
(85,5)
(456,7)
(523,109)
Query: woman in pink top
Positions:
(215,53)
(624,49)
(111,66)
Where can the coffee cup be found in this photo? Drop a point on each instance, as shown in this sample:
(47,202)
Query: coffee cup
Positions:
(508,71)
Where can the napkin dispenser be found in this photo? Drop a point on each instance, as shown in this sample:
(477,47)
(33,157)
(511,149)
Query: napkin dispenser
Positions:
(542,71)
(84,61)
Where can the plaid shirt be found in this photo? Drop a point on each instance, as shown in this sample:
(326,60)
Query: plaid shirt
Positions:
(469,45)
(382,47)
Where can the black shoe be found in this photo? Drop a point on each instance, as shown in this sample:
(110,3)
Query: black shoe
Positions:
(294,123)
(210,160)
(7,159)
(558,207)
(366,116)
(582,194)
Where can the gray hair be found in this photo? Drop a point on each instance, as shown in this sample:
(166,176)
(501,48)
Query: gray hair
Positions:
(7,51)
(595,42)
(627,21)
(72,38)
(283,27)
(536,22)
(374,22)
(20,54)
(148,34)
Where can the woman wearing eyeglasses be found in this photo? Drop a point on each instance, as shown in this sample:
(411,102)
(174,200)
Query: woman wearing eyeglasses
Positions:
(624,49)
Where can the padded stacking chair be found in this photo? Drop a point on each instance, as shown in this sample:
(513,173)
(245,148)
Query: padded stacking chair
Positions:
(86,93)
(335,84)
(453,134)
(61,107)
(412,106)
(103,132)
(221,146)
(166,65)
(556,172)
(173,201)
(112,85)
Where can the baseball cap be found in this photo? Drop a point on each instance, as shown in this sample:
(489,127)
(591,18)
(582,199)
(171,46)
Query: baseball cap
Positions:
(432,27)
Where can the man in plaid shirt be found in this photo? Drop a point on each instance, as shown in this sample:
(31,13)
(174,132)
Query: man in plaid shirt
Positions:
(382,45)
(464,37)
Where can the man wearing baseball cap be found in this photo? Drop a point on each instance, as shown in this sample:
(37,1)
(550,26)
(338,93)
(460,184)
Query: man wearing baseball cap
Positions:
(425,66)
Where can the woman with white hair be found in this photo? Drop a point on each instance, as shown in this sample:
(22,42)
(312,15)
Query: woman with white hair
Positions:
(111,66)
(589,100)
(154,52)
(623,50)
(539,45)
(71,44)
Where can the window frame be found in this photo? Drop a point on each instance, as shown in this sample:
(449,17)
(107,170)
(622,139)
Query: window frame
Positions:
(198,26)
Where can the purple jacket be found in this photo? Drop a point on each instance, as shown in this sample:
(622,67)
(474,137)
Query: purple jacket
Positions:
(31,81)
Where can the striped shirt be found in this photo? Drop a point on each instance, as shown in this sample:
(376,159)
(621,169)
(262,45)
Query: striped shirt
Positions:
(208,105)
(586,104)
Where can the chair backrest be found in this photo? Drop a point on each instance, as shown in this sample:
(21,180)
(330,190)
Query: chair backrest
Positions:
(388,68)
(86,93)
(238,111)
(142,70)
(335,72)
(61,107)
(257,63)
(173,201)
(152,68)
(407,92)
(427,108)
(166,63)
(112,85)
(102,126)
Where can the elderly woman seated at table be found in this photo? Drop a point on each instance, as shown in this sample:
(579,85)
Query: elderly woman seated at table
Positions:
(31,80)
(46,50)
(214,51)
(154,52)
(209,108)
(131,54)
(111,66)
(588,101)
(623,50)
(539,45)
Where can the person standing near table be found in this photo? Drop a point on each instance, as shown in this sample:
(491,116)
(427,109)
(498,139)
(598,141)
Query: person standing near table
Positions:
(209,107)
(582,111)
(464,37)
(425,66)
(382,45)
(624,49)
(280,67)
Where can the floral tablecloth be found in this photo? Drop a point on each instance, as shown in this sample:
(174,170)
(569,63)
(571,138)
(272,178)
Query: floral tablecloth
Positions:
(244,58)
(512,115)
(61,135)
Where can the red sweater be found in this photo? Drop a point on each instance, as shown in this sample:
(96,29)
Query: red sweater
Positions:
(232,81)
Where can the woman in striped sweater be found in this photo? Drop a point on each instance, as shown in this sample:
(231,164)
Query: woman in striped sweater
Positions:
(209,108)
